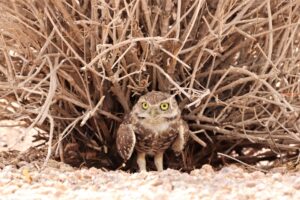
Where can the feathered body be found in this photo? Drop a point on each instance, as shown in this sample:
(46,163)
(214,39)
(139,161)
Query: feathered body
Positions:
(153,125)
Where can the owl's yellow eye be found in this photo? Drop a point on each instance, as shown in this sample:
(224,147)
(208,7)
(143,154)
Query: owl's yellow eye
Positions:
(164,106)
(145,105)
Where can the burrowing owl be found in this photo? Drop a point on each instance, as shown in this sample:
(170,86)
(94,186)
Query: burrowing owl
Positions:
(153,125)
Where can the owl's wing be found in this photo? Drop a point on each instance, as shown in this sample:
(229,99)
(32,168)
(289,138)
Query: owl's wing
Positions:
(125,141)
(182,138)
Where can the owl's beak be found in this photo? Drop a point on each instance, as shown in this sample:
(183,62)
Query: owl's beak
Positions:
(153,113)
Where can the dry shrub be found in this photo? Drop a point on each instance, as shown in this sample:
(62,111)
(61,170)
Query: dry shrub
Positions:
(75,67)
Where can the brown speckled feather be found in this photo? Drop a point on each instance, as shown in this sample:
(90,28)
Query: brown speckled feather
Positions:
(125,140)
(183,136)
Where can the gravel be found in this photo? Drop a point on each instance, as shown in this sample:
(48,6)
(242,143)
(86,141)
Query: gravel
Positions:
(60,181)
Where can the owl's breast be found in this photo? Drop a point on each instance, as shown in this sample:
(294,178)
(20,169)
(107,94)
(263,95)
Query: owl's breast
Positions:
(152,141)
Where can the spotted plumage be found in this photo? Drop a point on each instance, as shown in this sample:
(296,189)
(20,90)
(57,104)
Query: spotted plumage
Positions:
(153,125)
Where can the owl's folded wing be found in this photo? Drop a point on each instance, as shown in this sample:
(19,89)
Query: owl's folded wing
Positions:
(125,141)
(182,138)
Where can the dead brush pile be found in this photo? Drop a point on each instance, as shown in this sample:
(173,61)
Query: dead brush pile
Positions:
(74,68)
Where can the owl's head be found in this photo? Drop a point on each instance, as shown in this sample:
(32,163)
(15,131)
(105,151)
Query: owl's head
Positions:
(156,108)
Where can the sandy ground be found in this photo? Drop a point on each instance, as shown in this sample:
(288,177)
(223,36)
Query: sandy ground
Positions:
(60,181)
(21,177)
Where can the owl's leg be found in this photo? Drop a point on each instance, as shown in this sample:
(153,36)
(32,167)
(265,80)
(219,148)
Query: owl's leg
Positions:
(141,161)
(158,160)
